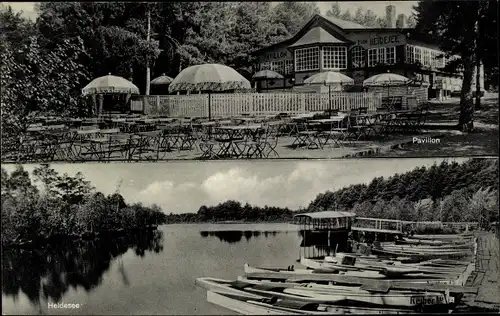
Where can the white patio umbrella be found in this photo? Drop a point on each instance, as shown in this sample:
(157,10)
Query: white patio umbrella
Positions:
(329,78)
(109,85)
(162,81)
(208,77)
(386,80)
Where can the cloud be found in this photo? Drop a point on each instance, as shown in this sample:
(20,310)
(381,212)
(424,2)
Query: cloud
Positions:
(170,196)
(293,190)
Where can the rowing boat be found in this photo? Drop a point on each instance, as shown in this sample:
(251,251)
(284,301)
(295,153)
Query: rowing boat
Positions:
(358,273)
(421,255)
(429,242)
(377,271)
(336,295)
(273,306)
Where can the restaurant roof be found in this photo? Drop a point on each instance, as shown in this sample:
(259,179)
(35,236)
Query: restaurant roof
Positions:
(343,24)
(317,35)
(326,214)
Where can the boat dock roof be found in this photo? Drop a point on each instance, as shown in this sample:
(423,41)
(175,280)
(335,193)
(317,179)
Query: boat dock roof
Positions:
(325,215)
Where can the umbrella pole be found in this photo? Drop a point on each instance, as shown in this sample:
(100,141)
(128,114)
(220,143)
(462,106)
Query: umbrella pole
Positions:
(329,99)
(209,107)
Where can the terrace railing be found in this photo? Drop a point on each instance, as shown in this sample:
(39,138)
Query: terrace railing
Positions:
(227,105)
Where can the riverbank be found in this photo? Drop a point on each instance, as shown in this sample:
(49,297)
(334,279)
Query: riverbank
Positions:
(485,276)
(86,236)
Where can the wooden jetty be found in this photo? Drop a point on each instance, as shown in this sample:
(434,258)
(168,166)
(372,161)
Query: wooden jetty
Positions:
(411,272)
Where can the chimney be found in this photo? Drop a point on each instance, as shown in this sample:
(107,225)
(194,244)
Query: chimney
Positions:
(390,12)
(401,22)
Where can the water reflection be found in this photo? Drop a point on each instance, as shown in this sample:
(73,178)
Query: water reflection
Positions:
(50,272)
(235,236)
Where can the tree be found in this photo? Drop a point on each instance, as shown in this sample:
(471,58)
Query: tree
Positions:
(346,16)
(334,10)
(253,29)
(293,15)
(412,21)
(482,207)
(424,209)
(359,16)
(210,43)
(457,28)
(381,23)
(46,176)
(35,80)
(369,19)
(113,35)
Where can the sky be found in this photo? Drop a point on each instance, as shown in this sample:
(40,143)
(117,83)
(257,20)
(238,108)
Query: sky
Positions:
(378,7)
(182,187)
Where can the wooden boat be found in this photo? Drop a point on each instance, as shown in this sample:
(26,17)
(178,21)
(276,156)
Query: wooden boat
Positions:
(396,299)
(429,242)
(273,306)
(449,238)
(376,271)
(247,306)
(421,255)
(366,274)
(427,248)
(402,284)
(339,295)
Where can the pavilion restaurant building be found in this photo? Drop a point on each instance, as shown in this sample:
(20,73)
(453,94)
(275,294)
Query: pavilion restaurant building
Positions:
(331,44)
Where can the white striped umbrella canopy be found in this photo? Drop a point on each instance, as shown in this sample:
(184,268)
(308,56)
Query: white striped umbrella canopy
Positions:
(208,77)
(162,80)
(386,79)
(110,85)
(329,78)
(267,74)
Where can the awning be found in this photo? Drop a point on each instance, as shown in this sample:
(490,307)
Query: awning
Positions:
(326,215)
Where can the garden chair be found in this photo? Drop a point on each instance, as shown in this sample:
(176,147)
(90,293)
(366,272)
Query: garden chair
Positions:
(306,136)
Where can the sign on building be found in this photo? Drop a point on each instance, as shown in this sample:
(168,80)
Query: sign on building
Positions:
(279,54)
(378,39)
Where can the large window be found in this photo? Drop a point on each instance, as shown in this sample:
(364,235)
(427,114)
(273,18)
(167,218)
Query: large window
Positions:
(434,59)
(358,57)
(288,66)
(390,55)
(382,55)
(444,61)
(335,57)
(410,54)
(418,54)
(278,66)
(372,57)
(427,57)
(307,59)
(265,66)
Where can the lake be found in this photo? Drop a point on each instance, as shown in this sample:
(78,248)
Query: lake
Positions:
(149,274)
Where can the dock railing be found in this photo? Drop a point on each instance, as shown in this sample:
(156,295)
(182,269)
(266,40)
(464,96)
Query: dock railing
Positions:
(233,104)
(379,224)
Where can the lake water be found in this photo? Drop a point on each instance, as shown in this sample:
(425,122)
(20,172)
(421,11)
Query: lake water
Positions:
(153,274)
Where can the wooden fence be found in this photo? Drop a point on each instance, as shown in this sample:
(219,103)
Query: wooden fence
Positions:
(227,105)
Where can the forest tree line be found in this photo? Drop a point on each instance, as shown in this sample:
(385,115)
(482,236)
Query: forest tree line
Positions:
(46,63)
(447,192)
(59,205)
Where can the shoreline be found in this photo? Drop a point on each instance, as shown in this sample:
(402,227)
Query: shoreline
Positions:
(86,236)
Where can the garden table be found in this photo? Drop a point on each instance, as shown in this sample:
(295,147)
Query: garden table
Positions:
(231,136)
(334,131)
